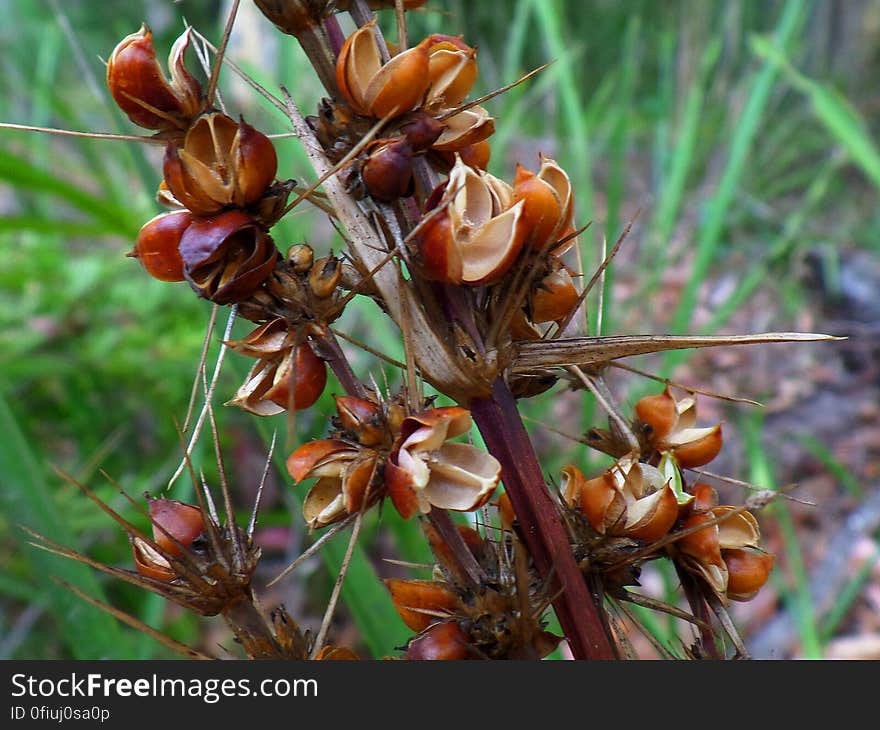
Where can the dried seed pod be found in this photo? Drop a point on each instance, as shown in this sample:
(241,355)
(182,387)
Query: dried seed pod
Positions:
(140,88)
(748,569)
(295,16)
(658,412)
(150,562)
(547,201)
(452,71)
(307,372)
(441,642)
(629,499)
(344,474)
(671,427)
(361,418)
(467,128)
(336,653)
(266,390)
(421,130)
(387,172)
(423,471)
(157,246)
(476,230)
(300,256)
(702,552)
(227,257)
(421,603)
(374,89)
(476,154)
(554,296)
(324,276)
(222,163)
(176,525)
(699,449)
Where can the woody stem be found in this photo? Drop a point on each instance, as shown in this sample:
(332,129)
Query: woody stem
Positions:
(329,350)
(540,524)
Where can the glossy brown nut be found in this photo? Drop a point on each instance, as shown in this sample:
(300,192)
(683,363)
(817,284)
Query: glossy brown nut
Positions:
(748,570)
(441,642)
(176,525)
(310,379)
(157,246)
(387,173)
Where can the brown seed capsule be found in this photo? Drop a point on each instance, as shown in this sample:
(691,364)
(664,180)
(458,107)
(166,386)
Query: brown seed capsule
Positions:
(227,257)
(361,418)
(553,297)
(310,374)
(374,89)
(747,571)
(476,154)
(176,525)
(700,451)
(658,412)
(423,471)
(464,129)
(439,255)
(444,641)
(222,163)
(452,70)
(387,173)
(421,130)
(157,246)
(141,89)
(421,603)
(477,228)
(301,257)
(151,563)
(324,276)
(547,202)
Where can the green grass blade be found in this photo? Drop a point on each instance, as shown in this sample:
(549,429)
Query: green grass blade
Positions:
(793,15)
(86,631)
(20,173)
(841,120)
(797,595)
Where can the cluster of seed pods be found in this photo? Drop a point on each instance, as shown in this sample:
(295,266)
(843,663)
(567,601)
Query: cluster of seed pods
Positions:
(500,247)
(644,497)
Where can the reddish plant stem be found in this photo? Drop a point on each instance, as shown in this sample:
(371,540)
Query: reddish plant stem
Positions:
(334,34)
(540,524)
(329,350)
(447,530)
(700,610)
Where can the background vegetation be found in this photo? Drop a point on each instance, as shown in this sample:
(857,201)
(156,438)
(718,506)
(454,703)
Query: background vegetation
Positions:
(742,135)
